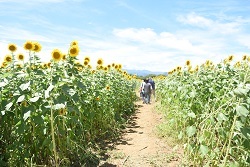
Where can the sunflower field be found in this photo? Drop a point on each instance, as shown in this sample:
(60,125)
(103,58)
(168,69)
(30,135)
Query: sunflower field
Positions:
(208,108)
(52,113)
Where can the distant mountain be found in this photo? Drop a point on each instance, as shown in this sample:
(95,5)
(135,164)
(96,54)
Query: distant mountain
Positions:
(144,72)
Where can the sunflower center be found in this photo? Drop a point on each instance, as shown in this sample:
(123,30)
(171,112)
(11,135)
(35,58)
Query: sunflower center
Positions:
(8,59)
(85,63)
(56,55)
(73,50)
(12,48)
(28,46)
(21,57)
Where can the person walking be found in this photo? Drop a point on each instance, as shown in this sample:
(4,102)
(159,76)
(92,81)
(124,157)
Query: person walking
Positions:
(147,91)
(152,82)
(142,95)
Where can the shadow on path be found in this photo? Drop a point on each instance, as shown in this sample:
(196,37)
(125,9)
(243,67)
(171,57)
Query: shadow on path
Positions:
(131,127)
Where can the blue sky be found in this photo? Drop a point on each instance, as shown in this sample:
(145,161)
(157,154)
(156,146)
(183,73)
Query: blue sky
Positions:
(155,35)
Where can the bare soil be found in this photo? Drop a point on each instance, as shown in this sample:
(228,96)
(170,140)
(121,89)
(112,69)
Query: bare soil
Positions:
(140,146)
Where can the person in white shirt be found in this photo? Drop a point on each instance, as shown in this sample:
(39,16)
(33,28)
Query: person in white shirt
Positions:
(142,90)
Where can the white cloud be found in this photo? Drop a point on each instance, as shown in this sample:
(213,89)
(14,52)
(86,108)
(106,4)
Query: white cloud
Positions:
(151,38)
(14,33)
(140,35)
(219,25)
(244,40)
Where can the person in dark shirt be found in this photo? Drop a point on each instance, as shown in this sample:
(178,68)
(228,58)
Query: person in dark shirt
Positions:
(151,81)
(147,91)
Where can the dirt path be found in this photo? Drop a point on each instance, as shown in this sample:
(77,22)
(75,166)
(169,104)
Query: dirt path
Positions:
(140,146)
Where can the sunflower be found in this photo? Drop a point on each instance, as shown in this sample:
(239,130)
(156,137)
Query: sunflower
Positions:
(93,71)
(28,45)
(97,98)
(209,63)
(108,87)
(19,65)
(100,61)
(8,58)
(20,56)
(113,64)
(56,55)
(101,67)
(77,63)
(89,66)
(109,66)
(74,43)
(48,64)
(62,111)
(44,65)
(120,66)
(87,59)
(64,57)
(105,69)
(98,68)
(85,62)
(248,58)
(244,57)
(4,64)
(117,66)
(12,47)
(37,47)
(24,103)
(225,61)
(74,51)
(197,68)
(80,68)
(230,58)
(187,62)
(237,64)
(179,68)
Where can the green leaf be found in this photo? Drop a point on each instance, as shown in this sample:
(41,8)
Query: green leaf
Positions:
(238,125)
(246,132)
(242,111)
(20,127)
(192,94)
(2,84)
(190,131)
(58,106)
(26,115)
(47,91)
(7,107)
(34,99)
(21,98)
(240,92)
(80,85)
(3,112)
(192,115)
(38,119)
(50,88)
(46,142)
(25,86)
(180,135)
(222,117)
(203,150)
